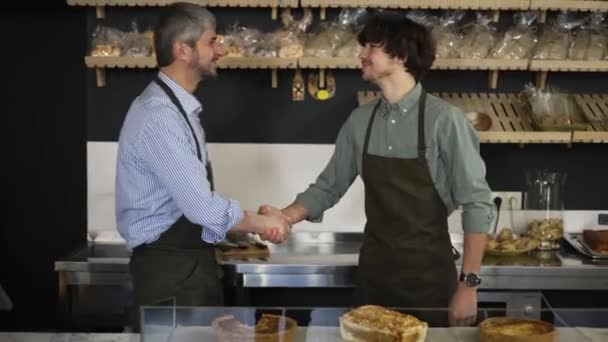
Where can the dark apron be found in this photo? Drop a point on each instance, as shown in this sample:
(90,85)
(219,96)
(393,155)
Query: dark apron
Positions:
(406,259)
(178,268)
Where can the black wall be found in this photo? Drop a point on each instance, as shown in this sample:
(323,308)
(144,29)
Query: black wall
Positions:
(43,130)
(54,107)
(241,106)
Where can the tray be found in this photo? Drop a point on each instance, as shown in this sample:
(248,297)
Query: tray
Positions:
(577,242)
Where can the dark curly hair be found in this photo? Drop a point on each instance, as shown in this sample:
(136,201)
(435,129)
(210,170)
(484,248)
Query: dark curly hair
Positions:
(403,38)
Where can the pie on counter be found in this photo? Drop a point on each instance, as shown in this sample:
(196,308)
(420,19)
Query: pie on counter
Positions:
(508,329)
(371,323)
(597,240)
(270,328)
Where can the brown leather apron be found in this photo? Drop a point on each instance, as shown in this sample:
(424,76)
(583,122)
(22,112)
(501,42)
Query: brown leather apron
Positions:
(406,259)
(179,268)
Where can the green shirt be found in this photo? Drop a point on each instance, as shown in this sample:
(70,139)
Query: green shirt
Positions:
(456,167)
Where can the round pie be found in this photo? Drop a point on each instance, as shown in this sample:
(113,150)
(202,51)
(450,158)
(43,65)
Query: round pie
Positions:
(270,328)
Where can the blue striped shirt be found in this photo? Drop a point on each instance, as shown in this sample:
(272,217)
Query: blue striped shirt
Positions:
(158,175)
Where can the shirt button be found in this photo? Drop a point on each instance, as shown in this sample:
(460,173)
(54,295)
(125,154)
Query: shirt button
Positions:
(390,148)
(393,121)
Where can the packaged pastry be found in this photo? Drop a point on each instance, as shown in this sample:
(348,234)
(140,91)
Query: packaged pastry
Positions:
(590,39)
(519,40)
(136,44)
(447,37)
(553,110)
(330,38)
(107,42)
(556,38)
(479,38)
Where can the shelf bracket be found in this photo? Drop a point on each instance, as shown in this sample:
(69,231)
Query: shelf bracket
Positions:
(100,12)
(542,17)
(100,74)
(493,79)
(495,16)
(323,13)
(321,78)
(275,78)
(541,79)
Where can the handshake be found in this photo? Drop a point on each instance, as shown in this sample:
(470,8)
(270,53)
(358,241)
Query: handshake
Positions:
(274,225)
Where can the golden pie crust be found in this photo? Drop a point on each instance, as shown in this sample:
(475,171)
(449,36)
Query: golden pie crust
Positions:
(508,329)
(270,328)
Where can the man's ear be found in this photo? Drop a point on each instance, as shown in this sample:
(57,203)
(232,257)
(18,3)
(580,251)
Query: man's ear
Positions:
(181,51)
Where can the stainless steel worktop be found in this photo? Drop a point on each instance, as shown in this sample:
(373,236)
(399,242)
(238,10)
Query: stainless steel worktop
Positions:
(330,259)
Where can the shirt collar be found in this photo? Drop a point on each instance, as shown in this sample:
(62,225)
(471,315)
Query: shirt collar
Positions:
(406,105)
(191,105)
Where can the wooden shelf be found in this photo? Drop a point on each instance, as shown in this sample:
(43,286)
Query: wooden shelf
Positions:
(257,63)
(209,3)
(568,65)
(329,63)
(511,121)
(570,5)
(543,67)
(480,64)
(422,4)
(272,64)
(100,5)
(595,109)
(120,62)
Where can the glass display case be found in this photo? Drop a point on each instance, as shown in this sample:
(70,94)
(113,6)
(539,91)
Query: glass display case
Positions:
(195,324)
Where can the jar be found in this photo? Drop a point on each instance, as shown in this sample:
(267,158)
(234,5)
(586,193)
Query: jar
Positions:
(544,207)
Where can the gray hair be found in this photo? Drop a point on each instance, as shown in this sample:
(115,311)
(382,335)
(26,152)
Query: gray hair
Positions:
(180,22)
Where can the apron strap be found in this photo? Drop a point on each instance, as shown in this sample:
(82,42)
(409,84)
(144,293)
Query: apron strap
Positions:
(421,140)
(369,127)
(179,106)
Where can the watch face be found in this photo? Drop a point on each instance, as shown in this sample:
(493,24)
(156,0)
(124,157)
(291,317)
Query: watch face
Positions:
(472,279)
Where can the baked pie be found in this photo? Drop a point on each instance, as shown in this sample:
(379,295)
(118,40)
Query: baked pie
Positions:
(270,328)
(508,329)
(376,323)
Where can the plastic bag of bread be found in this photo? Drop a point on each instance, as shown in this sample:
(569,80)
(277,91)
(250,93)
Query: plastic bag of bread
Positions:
(556,38)
(319,44)
(107,42)
(553,110)
(240,41)
(479,38)
(590,40)
(136,44)
(447,36)
(330,37)
(519,40)
(350,49)
(290,39)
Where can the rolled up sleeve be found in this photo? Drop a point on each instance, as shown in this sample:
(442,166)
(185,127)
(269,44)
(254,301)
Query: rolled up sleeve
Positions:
(466,170)
(335,179)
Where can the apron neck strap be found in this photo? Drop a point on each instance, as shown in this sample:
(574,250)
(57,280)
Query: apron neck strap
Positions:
(421,139)
(179,106)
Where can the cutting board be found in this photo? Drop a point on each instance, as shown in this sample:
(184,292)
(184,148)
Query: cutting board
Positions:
(242,250)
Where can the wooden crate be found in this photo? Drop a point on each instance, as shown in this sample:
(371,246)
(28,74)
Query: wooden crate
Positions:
(571,5)
(595,109)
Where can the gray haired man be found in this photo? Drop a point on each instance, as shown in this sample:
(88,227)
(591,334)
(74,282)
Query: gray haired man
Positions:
(166,208)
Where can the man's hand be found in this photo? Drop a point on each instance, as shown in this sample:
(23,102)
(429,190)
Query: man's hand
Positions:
(275,227)
(463,306)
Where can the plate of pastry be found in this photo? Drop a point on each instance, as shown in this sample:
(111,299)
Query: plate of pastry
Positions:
(505,243)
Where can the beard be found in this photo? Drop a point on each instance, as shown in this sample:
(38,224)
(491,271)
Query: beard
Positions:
(204,71)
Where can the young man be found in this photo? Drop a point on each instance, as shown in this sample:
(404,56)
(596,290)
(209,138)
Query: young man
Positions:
(165,205)
(419,160)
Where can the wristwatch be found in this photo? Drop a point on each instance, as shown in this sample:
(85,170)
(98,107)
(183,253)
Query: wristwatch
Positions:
(470,279)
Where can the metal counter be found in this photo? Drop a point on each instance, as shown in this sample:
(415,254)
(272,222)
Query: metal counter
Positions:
(329,260)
